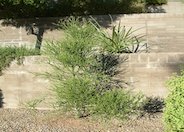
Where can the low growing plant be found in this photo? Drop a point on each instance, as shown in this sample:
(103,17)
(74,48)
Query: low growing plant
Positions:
(174,110)
(121,40)
(32,104)
(8,54)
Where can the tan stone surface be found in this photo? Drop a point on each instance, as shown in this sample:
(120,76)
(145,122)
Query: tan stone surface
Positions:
(164,32)
(19,83)
(145,72)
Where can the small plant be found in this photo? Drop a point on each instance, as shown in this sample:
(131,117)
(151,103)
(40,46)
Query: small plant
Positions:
(121,40)
(32,104)
(8,54)
(21,52)
(174,110)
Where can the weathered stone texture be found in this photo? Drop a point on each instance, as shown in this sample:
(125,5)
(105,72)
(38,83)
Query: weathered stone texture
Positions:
(163,32)
(148,72)
(145,72)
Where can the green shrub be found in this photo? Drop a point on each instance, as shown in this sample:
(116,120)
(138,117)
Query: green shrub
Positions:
(76,93)
(174,110)
(156,2)
(80,83)
(73,83)
(117,103)
(8,54)
(75,51)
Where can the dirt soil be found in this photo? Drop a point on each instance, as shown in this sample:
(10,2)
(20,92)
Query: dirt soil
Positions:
(13,120)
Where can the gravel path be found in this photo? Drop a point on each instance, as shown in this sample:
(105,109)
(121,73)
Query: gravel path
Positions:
(13,120)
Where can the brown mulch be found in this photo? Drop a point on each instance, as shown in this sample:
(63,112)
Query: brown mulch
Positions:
(21,120)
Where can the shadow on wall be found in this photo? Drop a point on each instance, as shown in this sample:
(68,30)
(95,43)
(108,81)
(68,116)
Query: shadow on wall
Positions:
(176,67)
(35,26)
(176,63)
(1,99)
(109,64)
(106,20)
(39,26)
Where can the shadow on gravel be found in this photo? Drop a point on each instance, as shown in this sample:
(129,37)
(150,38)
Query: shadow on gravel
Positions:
(152,106)
(1,99)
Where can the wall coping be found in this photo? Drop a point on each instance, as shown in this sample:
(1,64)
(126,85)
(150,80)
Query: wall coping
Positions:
(141,15)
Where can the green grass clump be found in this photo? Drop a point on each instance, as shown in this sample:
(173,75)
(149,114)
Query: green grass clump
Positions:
(8,54)
(121,40)
(174,110)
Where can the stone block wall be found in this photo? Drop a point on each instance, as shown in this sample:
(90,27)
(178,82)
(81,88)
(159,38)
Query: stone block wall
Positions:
(148,72)
(145,72)
(25,31)
(21,84)
(163,32)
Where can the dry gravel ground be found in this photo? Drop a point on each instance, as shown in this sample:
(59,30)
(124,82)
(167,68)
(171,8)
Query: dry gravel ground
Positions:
(13,120)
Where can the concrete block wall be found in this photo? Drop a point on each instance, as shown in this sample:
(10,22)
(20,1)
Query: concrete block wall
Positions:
(148,72)
(20,31)
(164,32)
(10,35)
(145,72)
(20,84)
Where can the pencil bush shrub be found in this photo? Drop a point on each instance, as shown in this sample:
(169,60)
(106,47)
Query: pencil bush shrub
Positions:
(72,80)
(80,83)
(174,109)
(117,103)
(77,93)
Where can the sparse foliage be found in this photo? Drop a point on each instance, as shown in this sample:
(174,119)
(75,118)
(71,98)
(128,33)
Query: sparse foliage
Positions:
(81,77)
